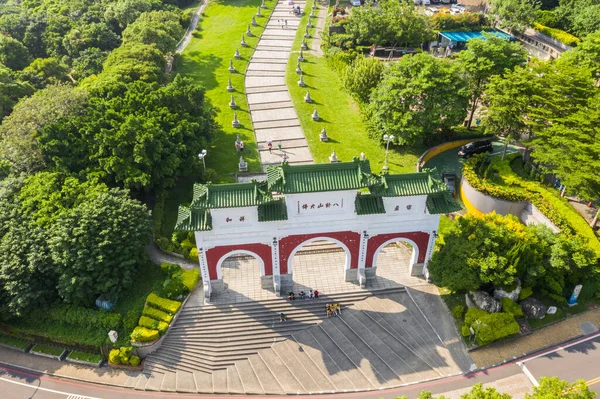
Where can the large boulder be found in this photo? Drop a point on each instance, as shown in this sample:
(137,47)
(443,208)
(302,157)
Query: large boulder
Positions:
(513,295)
(533,308)
(483,300)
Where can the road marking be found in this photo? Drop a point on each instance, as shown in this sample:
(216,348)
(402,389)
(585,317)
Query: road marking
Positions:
(500,152)
(593,381)
(529,375)
(562,347)
(47,390)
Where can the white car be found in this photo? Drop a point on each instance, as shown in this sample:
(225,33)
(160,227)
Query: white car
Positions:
(431,11)
(417,2)
(458,6)
(456,11)
(355,3)
(426,2)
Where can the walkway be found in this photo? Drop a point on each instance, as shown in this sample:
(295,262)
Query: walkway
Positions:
(273,114)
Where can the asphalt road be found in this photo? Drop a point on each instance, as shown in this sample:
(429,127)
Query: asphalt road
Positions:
(578,360)
(571,363)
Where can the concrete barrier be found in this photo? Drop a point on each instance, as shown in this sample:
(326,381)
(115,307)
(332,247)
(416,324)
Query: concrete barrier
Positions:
(433,151)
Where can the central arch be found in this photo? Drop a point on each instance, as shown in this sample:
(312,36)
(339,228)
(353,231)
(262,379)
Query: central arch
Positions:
(347,262)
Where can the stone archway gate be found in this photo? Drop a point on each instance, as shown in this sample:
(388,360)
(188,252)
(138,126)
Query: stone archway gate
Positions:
(342,202)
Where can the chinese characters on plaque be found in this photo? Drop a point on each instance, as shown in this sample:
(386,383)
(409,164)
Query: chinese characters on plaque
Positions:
(319,207)
(397,208)
(241,219)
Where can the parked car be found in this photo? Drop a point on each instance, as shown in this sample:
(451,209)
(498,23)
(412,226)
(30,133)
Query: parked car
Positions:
(355,3)
(430,11)
(450,181)
(417,2)
(426,2)
(476,147)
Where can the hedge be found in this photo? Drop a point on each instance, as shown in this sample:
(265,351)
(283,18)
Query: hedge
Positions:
(143,334)
(15,342)
(560,35)
(190,278)
(492,326)
(511,307)
(164,304)
(79,316)
(157,314)
(557,209)
(152,324)
(123,356)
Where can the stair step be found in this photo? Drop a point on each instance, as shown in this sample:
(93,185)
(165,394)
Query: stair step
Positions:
(248,377)
(169,383)
(280,369)
(203,382)
(154,382)
(142,381)
(185,382)
(267,380)
(303,375)
(220,381)
(132,380)
(318,374)
(234,383)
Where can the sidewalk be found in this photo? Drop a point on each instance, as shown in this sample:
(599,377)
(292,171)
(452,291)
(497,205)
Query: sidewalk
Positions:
(559,332)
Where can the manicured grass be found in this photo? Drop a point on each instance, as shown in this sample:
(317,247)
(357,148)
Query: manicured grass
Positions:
(340,115)
(85,357)
(206,60)
(48,350)
(15,342)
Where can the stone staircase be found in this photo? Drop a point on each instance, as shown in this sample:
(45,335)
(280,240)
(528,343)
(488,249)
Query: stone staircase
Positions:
(381,340)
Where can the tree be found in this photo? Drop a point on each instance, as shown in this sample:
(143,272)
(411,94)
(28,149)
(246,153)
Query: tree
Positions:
(514,14)
(362,77)
(417,96)
(479,392)
(553,388)
(486,57)
(586,54)
(43,72)
(587,20)
(129,63)
(89,62)
(125,12)
(161,28)
(141,135)
(11,90)
(12,53)
(18,131)
(507,100)
(98,35)
(98,246)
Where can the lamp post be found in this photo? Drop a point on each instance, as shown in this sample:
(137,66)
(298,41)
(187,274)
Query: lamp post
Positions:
(387,139)
(202,155)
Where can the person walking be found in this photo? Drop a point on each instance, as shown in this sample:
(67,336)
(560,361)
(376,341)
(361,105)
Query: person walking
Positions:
(328,310)
(241,146)
(280,145)
(269,145)
(285,21)
(316,294)
(311,295)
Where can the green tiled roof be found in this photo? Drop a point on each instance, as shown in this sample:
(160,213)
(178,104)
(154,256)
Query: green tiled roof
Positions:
(368,205)
(319,177)
(408,184)
(442,203)
(273,211)
(236,195)
(189,219)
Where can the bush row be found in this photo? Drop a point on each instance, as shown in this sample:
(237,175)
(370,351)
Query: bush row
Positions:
(143,334)
(157,314)
(517,189)
(163,304)
(489,327)
(79,316)
(152,324)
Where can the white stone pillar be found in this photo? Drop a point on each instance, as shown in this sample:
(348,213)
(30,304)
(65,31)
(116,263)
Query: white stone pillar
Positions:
(276,268)
(430,245)
(204,272)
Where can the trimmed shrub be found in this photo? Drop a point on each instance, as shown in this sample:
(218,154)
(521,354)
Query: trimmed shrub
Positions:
(491,326)
(511,307)
(194,254)
(474,314)
(156,314)
(143,334)
(163,304)
(458,311)
(114,356)
(190,278)
(557,34)
(135,361)
(526,292)
(173,287)
(169,268)
(152,324)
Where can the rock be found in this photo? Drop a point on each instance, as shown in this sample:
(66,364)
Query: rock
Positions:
(483,300)
(513,295)
(533,308)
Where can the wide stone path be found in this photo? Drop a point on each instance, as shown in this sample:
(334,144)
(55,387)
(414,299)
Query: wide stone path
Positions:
(271,109)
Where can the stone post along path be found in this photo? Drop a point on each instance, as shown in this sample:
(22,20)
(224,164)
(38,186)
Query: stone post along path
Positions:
(271,109)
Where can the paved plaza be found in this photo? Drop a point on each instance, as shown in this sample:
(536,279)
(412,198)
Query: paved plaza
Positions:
(273,114)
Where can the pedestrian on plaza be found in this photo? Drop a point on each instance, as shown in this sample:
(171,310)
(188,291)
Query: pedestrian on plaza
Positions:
(337,309)
(237,147)
(279,22)
(269,145)
(311,295)
(302,295)
(241,146)
(280,145)
(285,21)
(316,294)
(282,317)
(291,296)
(328,310)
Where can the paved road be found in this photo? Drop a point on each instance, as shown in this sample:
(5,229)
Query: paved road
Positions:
(570,362)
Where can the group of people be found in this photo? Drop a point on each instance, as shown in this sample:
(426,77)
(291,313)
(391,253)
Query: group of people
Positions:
(333,309)
(270,145)
(282,23)
(302,295)
(296,10)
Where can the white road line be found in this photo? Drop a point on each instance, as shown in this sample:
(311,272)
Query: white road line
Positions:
(559,348)
(69,395)
(528,374)
(500,152)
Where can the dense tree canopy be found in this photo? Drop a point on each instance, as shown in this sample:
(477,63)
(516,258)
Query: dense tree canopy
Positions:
(13,53)
(418,96)
(362,76)
(514,14)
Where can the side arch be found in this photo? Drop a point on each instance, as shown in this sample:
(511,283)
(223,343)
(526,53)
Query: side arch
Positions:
(415,253)
(419,240)
(216,256)
(347,262)
(236,252)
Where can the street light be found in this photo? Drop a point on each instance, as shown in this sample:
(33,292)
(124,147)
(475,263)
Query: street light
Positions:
(201,156)
(387,139)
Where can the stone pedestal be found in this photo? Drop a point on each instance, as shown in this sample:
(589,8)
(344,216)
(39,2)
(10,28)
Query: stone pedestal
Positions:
(286,283)
(362,278)
(370,272)
(417,269)
(266,282)
(217,286)
(351,275)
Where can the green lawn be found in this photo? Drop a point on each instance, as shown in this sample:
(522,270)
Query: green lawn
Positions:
(48,350)
(85,357)
(14,342)
(206,60)
(340,115)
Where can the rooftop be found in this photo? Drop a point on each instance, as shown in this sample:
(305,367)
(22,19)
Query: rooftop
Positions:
(235,195)
(463,37)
